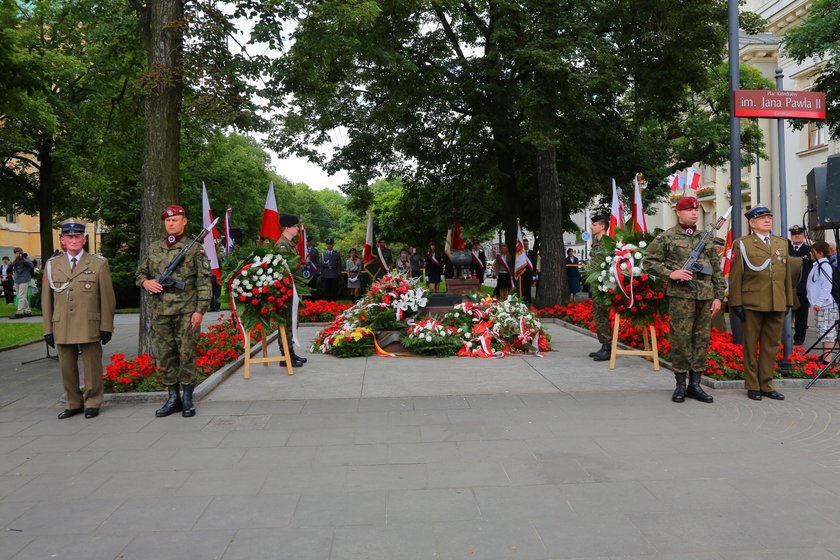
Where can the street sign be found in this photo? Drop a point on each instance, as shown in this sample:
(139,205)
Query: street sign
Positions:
(779,104)
(585,236)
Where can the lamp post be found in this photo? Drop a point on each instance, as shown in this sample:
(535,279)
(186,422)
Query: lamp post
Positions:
(787,331)
(734,143)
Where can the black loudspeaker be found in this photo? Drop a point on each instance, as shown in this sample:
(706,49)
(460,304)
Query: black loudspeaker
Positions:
(826,194)
(236,234)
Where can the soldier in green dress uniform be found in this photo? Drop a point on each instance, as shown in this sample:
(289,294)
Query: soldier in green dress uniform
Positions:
(600,313)
(760,293)
(692,297)
(290,225)
(176,314)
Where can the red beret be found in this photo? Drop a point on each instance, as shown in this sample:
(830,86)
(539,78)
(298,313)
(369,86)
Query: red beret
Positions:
(687,202)
(173,210)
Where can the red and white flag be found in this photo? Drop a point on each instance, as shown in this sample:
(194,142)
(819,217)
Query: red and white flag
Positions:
(270,227)
(209,240)
(616,214)
(520,263)
(675,182)
(692,178)
(367,252)
(639,222)
(726,262)
(302,249)
(228,235)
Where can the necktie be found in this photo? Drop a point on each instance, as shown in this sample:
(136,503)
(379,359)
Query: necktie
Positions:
(72,264)
(767,240)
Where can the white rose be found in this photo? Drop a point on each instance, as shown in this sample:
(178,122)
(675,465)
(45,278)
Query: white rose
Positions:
(642,244)
(428,338)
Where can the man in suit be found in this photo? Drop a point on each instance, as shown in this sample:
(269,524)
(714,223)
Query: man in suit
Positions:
(760,292)
(8,282)
(798,248)
(527,277)
(78,303)
(330,270)
(478,261)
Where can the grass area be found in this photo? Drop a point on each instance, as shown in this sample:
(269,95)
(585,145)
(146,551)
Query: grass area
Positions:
(9,309)
(18,333)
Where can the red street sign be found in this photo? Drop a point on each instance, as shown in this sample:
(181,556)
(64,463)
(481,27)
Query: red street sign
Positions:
(779,104)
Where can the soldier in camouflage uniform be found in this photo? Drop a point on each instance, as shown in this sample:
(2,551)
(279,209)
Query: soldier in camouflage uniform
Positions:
(600,313)
(176,314)
(692,298)
(287,248)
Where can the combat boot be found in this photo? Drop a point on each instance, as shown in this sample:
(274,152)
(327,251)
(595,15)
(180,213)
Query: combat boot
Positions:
(172,404)
(679,392)
(695,391)
(603,354)
(595,353)
(296,357)
(295,362)
(189,408)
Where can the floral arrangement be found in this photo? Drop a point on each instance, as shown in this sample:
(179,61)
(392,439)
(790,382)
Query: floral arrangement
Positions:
(263,287)
(320,311)
(138,374)
(353,342)
(390,300)
(430,337)
(620,282)
(704,192)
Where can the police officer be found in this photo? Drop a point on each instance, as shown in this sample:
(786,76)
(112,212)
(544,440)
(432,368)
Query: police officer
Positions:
(600,313)
(176,314)
(797,247)
(330,270)
(290,226)
(760,292)
(313,259)
(78,303)
(692,297)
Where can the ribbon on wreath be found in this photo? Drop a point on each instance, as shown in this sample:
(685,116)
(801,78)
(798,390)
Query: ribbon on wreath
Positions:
(622,256)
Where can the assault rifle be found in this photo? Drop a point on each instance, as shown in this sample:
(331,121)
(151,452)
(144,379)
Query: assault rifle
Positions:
(165,279)
(691,264)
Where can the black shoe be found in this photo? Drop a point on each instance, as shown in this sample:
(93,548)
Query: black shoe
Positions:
(798,341)
(16,316)
(189,409)
(68,412)
(603,354)
(27,315)
(296,357)
(91,412)
(172,404)
(679,391)
(695,391)
(775,395)
(754,395)
(295,362)
(593,354)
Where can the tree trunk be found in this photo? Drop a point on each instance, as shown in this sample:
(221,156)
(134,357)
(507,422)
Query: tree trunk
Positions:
(46,188)
(161,25)
(554,288)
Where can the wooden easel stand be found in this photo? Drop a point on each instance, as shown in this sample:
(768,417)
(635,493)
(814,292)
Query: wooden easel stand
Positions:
(266,359)
(651,351)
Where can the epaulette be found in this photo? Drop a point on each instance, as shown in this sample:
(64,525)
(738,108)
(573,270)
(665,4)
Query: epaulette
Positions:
(98,256)
(55,257)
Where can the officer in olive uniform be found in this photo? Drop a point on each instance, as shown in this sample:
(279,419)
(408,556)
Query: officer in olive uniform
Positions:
(290,225)
(78,303)
(692,297)
(760,293)
(331,270)
(600,313)
(797,247)
(176,314)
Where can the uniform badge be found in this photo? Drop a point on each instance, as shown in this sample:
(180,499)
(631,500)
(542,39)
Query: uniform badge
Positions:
(87,286)
(171,238)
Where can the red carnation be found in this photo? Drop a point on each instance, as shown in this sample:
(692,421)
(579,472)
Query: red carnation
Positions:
(277,283)
(243,297)
(265,289)
(255,301)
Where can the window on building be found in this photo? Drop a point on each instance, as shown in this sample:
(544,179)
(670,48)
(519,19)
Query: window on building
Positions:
(816,135)
(11,218)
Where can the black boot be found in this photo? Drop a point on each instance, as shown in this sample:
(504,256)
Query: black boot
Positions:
(695,391)
(189,409)
(296,357)
(295,362)
(679,392)
(172,404)
(595,353)
(603,354)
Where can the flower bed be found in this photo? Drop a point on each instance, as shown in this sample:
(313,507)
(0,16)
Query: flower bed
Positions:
(320,311)
(724,361)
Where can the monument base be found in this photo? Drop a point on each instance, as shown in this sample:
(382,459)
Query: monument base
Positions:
(460,286)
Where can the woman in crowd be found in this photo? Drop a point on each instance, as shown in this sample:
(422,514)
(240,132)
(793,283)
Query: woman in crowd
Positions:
(504,264)
(354,269)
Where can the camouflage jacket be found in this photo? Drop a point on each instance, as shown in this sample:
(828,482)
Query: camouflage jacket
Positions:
(194,272)
(597,253)
(669,251)
(288,250)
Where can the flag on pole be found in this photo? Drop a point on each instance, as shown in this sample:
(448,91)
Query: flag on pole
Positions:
(616,213)
(674,180)
(457,240)
(367,252)
(270,227)
(228,234)
(639,221)
(727,252)
(692,178)
(209,240)
(520,263)
(302,249)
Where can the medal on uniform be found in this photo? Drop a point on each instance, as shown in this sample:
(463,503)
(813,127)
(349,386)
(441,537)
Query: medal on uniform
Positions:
(87,286)
(171,239)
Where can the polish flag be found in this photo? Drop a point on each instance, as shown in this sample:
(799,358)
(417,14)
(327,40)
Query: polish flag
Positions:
(639,222)
(692,178)
(457,240)
(209,240)
(367,252)
(270,227)
(727,252)
(616,215)
(675,182)
(521,261)
(303,253)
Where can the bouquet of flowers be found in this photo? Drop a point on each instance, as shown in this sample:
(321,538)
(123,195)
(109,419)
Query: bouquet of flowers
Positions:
(430,337)
(351,343)
(390,301)
(261,291)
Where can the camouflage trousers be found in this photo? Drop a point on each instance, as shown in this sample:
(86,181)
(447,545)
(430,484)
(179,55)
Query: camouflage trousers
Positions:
(691,324)
(175,343)
(603,327)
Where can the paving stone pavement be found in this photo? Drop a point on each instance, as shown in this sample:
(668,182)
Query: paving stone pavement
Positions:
(521,458)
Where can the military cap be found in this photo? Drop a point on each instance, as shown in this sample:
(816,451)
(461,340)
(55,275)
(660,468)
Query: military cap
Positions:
(796,229)
(329,240)
(758,212)
(72,227)
(288,220)
(687,203)
(309,237)
(173,210)
(600,218)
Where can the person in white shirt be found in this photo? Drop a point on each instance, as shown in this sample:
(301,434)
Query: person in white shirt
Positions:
(821,299)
